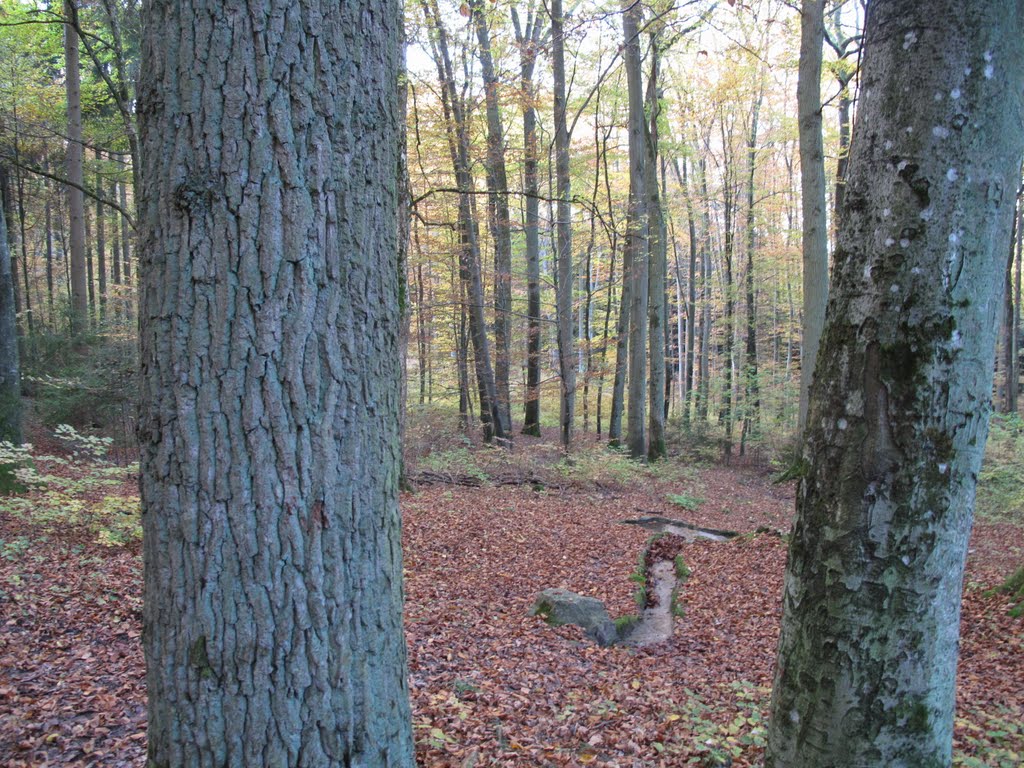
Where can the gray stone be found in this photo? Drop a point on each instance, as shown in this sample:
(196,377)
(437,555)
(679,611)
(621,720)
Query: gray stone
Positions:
(560,606)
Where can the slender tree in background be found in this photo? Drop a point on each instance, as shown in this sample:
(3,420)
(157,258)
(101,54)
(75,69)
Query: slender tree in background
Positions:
(657,263)
(563,232)
(270,394)
(901,397)
(528,40)
(76,199)
(10,371)
(498,214)
(636,235)
(812,187)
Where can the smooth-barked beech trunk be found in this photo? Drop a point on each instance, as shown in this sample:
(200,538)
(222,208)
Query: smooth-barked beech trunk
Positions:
(902,392)
(270,384)
(636,244)
(563,234)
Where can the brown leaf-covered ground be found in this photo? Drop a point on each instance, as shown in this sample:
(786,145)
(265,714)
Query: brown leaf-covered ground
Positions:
(491,685)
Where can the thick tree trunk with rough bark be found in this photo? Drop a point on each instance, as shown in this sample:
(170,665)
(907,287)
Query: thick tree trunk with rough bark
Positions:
(902,390)
(270,385)
(812,191)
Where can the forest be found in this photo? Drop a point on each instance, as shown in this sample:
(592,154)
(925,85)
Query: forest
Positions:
(521,382)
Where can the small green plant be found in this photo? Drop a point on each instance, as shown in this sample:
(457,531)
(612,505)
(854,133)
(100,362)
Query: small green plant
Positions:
(1000,494)
(624,624)
(989,740)
(15,548)
(1014,587)
(455,461)
(686,501)
(682,569)
(66,498)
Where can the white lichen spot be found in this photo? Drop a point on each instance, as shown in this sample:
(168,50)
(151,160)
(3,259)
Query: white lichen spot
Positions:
(943,468)
(967,70)
(938,95)
(904,242)
(909,39)
(867,271)
(889,242)
(927,214)
(954,94)
(987,55)
(888,145)
(989,71)
(956,341)
(794,716)
(954,237)
(909,129)
(952,175)
(886,212)
(894,288)
(841,424)
(916,271)
(905,559)
(940,131)
(901,165)
(929,514)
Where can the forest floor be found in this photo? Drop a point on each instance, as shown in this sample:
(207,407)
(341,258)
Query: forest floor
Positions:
(491,685)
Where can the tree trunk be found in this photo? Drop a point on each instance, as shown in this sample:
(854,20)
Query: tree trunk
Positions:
(269,420)
(500,220)
(529,44)
(76,200)
(812,189)
(101,241)
(10,371)
(636,236)
(658,257)
(456,119)
(563,231)
(902,391)
(752,405)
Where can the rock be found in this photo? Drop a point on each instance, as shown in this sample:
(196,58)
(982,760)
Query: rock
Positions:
(560,606)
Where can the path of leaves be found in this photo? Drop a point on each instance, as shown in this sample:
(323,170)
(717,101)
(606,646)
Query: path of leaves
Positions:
(490,685)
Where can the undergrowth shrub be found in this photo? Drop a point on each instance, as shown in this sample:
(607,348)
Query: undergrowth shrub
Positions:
(62,493)
(89,386)
(1000,493)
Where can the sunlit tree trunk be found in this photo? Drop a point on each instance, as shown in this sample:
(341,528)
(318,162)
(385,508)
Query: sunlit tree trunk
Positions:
(636,236)
(812,189)
(902,391)
(498,214)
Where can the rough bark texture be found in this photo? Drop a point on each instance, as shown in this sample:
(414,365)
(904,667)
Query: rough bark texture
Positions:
(636,236)
(76,200)
(901,397)
(270,384)
(566,347)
